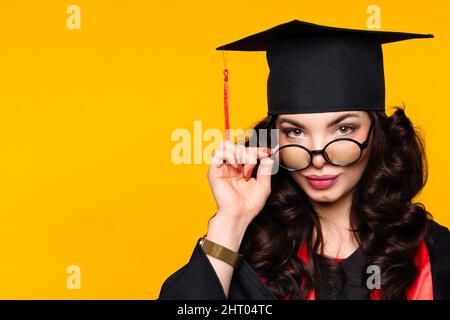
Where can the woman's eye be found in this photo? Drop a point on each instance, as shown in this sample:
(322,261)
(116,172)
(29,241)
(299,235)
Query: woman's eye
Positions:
(293,133)
(345,129)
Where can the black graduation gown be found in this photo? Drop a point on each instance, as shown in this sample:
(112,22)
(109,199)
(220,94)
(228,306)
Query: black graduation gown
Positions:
(198,279)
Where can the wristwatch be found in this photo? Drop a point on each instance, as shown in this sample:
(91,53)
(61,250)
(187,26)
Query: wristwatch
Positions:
(220,252)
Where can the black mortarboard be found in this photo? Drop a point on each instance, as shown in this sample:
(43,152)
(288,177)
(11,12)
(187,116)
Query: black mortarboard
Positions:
(315,68)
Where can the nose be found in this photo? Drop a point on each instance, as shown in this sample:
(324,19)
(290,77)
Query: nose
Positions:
(318,160)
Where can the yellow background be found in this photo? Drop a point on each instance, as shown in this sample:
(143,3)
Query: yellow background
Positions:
(86,119)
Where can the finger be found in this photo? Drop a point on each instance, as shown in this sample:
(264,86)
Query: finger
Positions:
(241,153)
(260,152)
(240,156)
(263,175)
(231,154)
(252,154)
(251,162)
(230,158)
(218,158)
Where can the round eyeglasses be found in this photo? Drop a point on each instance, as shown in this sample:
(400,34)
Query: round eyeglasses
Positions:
(341,152)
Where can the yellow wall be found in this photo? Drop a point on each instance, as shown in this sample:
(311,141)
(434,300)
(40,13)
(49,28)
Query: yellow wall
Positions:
(86,118)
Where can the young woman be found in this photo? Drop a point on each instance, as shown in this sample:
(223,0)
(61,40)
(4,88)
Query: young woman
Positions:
(337,220)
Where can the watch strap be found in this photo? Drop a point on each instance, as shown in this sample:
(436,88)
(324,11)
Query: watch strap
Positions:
(220,252)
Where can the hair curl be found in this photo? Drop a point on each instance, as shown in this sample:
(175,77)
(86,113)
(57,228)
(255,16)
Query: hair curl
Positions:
(387,224)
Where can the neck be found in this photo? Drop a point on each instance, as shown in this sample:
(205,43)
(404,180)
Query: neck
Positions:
(338,239)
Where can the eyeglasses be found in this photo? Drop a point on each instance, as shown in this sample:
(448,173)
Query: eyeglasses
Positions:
(341,152)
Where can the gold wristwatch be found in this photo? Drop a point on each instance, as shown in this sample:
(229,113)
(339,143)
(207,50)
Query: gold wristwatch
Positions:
(220,252)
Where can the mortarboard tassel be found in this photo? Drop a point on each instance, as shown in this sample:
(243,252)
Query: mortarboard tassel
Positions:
(225,99)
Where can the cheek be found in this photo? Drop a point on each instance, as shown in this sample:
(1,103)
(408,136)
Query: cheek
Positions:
(352,174)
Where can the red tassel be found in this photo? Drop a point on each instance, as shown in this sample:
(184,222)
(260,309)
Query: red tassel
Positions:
(226,104)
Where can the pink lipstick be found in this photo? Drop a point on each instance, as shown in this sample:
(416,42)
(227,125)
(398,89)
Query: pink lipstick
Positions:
(322,182)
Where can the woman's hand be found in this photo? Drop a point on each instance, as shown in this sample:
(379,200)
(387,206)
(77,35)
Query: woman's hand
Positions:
(239,196)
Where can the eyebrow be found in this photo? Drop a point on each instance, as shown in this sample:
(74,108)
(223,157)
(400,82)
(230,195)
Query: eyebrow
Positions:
(332,123)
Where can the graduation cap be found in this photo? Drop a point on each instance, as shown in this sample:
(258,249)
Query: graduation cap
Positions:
(316,68)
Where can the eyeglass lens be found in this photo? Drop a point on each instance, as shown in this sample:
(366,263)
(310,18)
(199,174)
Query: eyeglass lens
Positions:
(341,153)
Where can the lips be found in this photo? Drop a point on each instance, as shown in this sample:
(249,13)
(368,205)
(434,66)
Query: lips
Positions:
(322,182)
(324,177)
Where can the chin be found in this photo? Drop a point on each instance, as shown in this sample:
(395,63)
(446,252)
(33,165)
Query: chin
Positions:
(325,196)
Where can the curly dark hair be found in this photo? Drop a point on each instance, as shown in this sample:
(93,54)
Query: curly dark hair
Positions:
(387,224)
